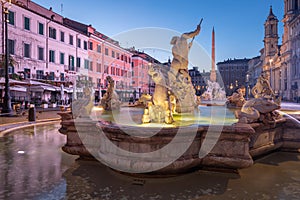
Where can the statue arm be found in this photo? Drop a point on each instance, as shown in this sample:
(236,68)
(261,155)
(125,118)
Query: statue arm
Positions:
(192,34)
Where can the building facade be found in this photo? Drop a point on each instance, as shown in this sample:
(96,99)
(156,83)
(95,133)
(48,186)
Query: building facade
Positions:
(199,80)
(47,46)
(290,51)
(233,73)
(142,83)
(281,62)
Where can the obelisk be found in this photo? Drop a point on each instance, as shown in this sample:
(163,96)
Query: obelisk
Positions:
(213,75)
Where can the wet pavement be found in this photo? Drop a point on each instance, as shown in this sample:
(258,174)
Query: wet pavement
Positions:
(32,166)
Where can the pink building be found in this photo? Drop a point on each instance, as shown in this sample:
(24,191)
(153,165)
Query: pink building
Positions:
(43,47)
(141,81)
(47,46)
(105,58)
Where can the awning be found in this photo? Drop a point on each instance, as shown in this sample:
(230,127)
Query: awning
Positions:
(15,88)
(12,81)
(42,88)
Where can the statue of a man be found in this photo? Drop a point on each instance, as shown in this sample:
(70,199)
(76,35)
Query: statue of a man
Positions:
(180,51)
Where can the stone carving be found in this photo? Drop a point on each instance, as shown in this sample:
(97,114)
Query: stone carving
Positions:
(263,88)
(214,92)
(263,107)
(178,77)
(83,106)
(259,110)
(237,98)
(144,99)
(158,110)
(174,91)
(110,100)
(180,51)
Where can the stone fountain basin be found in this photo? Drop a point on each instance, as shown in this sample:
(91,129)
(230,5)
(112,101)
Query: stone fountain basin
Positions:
(236,147)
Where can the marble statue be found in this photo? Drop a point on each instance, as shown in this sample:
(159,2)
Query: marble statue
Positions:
(237,98)
(179,79)
(110,100)
(263,88)
(83,107)
(214,92)
(144,99)
(264,105)
(174,92)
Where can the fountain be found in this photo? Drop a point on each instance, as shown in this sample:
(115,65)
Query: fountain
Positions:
(174,138)
(214,94)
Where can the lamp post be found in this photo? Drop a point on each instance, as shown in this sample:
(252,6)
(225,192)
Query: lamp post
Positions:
(247,86)
(149,78)
(271,60)
(6,108)
(231,87)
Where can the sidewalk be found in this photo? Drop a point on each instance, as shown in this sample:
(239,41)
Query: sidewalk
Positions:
(21,120)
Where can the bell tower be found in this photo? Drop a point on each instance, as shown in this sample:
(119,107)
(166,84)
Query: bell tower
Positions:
(271,35)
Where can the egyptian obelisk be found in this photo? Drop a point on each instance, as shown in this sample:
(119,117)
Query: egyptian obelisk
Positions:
(213,76)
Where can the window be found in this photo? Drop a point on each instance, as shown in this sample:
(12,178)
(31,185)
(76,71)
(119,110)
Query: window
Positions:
(78,43)
(86,64)
(98,67)
(41,29)
(11,47)
(112,54)
(52,56)
(91,66)
(40,74)
(106,69)
(91,45)
(52,33)
(62,76)
(71,39)
(99,48)
(62,58)
(106,51)
(26,73)
(98,82)
(112,71)
(85,45)
(26,50)
(40,53)
(78,60)
(118,56)
(62,36)
(11,18)
(71,63)
(26,23)
(51,76)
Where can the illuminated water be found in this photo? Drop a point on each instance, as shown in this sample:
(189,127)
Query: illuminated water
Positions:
(32,166)
(205,115)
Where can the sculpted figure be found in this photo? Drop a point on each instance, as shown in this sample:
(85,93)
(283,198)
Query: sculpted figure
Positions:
(258,109)
(263,88)
(110,100)
(180,51)
(144,99)
(237,99)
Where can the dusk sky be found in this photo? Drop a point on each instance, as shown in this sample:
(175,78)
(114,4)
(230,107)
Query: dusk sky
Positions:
(239,24)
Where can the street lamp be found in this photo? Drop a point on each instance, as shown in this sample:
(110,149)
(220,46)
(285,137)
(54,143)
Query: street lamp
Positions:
(270,61)
(247,86)
(231,87)
(6,108)
(149,78)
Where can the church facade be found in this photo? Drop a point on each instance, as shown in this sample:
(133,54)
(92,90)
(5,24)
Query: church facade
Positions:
(281,62)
